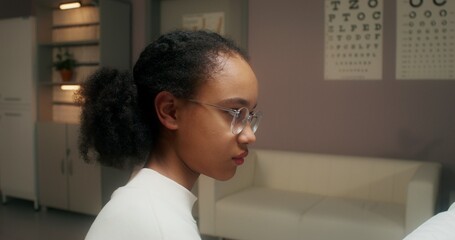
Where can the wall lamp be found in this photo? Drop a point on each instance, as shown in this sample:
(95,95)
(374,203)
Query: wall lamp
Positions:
(69,5)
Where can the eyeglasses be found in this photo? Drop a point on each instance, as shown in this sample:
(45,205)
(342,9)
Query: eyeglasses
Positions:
(239,117)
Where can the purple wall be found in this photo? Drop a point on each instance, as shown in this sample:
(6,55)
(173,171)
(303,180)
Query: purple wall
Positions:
(303,112)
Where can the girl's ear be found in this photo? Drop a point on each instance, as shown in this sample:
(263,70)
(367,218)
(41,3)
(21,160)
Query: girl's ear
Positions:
(166,106)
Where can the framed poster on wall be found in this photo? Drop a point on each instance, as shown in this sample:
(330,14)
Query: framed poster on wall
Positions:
(353,40)
(227,17)
(211,21)
(425,39)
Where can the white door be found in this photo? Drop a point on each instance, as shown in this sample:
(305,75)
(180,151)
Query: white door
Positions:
(53,180)
(17,153)
(17,39)
(84,179)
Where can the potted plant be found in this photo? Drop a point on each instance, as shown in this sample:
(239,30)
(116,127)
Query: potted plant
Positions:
(65,64)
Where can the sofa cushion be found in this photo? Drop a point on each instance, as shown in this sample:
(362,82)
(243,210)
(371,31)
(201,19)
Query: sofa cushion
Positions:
(262,213)
(364,178)
(345,219)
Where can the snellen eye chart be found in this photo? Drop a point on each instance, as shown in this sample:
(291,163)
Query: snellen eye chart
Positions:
(353,39)
(425,39)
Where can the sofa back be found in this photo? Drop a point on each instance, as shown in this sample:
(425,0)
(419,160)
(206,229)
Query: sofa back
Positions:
(366,178)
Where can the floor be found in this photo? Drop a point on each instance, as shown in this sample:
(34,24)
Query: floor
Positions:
(19,221)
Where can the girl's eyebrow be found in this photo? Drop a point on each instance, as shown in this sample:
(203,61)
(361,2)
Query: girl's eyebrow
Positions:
(236,101)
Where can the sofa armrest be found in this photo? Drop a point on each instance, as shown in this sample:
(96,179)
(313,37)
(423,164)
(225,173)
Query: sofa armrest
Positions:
(421,195)
(211,190)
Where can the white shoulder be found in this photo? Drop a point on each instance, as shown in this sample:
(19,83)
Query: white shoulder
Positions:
(128,215)
(439,227)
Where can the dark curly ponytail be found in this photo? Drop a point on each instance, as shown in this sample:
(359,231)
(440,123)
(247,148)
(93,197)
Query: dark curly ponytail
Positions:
(118,117)
(110,120)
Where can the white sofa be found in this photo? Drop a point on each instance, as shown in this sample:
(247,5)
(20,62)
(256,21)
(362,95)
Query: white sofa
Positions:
(290,195)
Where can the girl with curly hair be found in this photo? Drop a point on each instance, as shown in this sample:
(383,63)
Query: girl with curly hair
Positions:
(188,108)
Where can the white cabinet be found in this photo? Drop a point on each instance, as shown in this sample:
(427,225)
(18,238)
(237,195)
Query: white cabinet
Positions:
(17,151)
(51,141)
(65,180)
(17,60)
(17,109)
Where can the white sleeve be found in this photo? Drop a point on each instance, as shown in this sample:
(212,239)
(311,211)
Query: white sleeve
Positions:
(439,227)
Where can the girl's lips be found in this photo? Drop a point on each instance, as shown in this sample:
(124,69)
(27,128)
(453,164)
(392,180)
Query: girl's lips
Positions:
(240,159)
(242,155)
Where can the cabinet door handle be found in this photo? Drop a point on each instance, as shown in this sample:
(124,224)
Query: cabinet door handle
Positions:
(62,166)
(70,167)
(12,114)
(12,99)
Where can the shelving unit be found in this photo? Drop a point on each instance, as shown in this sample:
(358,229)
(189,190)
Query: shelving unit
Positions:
(76,25)
(71,43)
(97,35)
(85,64)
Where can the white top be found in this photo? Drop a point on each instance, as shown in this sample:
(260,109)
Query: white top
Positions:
(439,227)
(150,207)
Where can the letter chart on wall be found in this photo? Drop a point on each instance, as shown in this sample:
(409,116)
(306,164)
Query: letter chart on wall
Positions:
(353,39)
(425,39)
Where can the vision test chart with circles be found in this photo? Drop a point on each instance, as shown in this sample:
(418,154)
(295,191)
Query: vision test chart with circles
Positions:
(425,47)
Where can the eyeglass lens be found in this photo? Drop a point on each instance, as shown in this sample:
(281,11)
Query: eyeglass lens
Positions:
(241,120)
